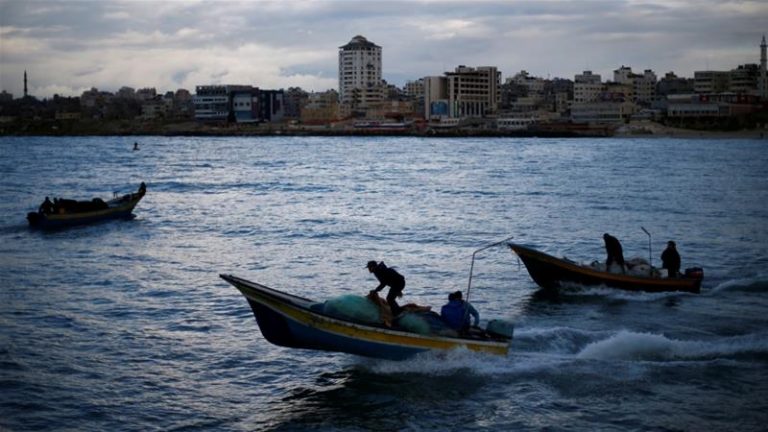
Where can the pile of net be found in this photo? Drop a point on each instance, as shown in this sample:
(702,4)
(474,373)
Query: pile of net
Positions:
(374,310)
(632,267)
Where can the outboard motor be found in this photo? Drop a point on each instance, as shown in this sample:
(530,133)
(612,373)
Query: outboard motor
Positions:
(500,328)
(694,273)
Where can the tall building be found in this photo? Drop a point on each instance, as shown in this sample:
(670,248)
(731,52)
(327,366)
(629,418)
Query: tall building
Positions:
(763,85)
(360,73)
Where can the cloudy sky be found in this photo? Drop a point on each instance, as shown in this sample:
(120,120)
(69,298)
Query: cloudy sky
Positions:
(68,46)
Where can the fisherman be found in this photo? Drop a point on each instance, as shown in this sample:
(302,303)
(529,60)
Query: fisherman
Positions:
(456,313)
(388,276)
(46,207)
(614,251)
(670,260)
(142,188)
(135,146)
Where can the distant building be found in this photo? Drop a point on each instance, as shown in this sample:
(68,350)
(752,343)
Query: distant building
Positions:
(146,94)
(271,105)
(586,87)
(321,108)
(610,112)
(5,96)
(295,99)
(238,104)
(464,93)
(763,80)
(671,84)
(415,89)
(710,81)
(359,74)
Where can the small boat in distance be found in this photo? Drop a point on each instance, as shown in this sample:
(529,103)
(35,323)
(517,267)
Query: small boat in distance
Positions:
(64,212)
(550,272)
(291,321)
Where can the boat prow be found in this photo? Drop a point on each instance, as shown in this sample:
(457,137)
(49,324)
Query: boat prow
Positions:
(296,322)
(550,272)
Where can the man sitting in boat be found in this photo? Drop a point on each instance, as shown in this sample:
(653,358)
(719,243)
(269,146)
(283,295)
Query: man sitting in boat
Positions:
(388,277)
(46,207)
(671,260)
(456,313)
(614,251)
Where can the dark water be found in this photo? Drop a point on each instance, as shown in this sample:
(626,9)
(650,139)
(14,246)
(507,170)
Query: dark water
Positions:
(125,325)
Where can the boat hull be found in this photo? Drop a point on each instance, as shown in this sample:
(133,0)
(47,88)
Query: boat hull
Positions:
(550,272)
(290,321)
(116,210)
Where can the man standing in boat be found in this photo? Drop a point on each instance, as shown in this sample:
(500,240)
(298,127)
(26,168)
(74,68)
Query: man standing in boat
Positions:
(46,207)
(388,277)
(670,260)
(614,251)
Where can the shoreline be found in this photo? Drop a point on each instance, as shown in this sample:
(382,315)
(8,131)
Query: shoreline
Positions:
(192,129)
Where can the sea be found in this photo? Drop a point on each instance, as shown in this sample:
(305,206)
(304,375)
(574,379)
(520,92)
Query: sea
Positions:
(125,325)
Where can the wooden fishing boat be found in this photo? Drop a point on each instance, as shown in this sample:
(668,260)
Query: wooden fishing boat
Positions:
(84,212)
(550,272)
(291,321)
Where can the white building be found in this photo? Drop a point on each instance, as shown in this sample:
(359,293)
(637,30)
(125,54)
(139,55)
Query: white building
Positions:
(643,85)
(360,73)
(587,87)
(763,77)
(534,85)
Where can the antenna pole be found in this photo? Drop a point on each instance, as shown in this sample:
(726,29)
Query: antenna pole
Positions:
(472,266)
(650,255)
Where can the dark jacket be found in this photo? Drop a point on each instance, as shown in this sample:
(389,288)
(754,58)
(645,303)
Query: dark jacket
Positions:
(671,261)
(613,249)
(456,314)
(388,277)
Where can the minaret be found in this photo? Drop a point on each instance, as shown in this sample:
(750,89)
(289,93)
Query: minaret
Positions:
(763,74)
(25,79)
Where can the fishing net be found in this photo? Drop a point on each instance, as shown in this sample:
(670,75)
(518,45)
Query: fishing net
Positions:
(354,308)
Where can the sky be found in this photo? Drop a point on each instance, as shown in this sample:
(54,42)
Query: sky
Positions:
(68,46)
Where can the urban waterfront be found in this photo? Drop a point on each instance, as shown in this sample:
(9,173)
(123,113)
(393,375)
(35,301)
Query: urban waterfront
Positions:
(125,325)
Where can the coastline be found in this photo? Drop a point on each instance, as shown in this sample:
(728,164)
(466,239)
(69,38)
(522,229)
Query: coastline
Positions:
(640,129)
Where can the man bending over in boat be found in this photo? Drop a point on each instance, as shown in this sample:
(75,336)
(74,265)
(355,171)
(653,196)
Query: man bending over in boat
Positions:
(388,277)
(614,251)
(456,313)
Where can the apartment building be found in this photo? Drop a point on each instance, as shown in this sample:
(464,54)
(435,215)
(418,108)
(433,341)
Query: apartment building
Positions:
(643,86)
(360,83)
(587,87)
(464,93)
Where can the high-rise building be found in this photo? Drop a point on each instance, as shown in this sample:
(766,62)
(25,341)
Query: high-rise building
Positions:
(360,73)
(763,85)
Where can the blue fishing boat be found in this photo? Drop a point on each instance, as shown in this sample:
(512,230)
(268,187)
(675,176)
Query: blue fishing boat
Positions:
(296,322)
(66,213)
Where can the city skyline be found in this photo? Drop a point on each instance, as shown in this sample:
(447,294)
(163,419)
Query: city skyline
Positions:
(70,46)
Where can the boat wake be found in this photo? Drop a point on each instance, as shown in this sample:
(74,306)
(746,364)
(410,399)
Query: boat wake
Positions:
(614,294)
(626,345)
(757,284)
(441,363)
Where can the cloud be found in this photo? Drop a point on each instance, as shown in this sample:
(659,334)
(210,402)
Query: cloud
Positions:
(278,44)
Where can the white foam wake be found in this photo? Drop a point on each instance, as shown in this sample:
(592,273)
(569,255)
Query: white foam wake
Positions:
(626,345)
